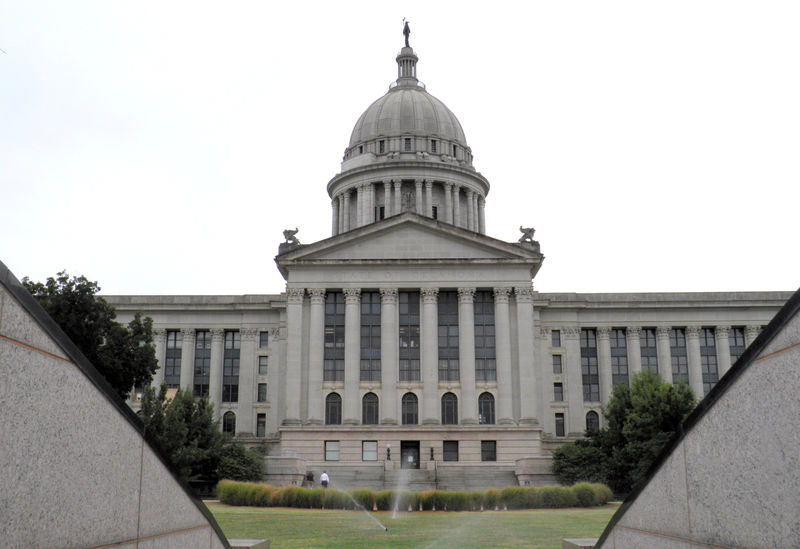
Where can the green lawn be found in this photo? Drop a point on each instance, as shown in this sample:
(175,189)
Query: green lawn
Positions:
(294,528)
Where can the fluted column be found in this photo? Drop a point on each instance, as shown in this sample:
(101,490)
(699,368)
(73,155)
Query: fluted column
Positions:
(575,419)
(723,349)
(390,345)
(664,355)
(341,213)
(215,375)
(429,198)
(470,212)
(457,206)
(429,352)
(633,335)
(505,414)
(398,197)
(448,203)
(528,388)
(481,215)
(750,334)
(187,359)
(346,217)
(360,205)
(475,211)
(334,216)
(369,211)
(695,369)
(352,355)
(247,389)
(418,196)
(604,363)
(466,355)
(387,198)
(316,355)
(160,339)
(294,354)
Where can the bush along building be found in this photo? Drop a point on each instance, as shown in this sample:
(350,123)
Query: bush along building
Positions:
(410,339)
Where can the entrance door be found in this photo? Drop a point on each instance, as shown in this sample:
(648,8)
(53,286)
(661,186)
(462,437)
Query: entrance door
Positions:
(409,454)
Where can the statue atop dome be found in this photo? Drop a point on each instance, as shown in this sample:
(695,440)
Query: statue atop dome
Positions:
(406,31)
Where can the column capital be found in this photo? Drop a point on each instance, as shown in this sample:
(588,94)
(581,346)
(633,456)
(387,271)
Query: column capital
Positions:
(217,334)
(295,295)
(466,295)
(752,331)
(524,294)
(352,296)
(428,184)
(160,334)
(501,295)
(397,183)
(388,295)
(248,334)
(663,331)
(633,331)
(188,334)
(429,295)
(693,332)
(448,185)
(603,332)
(469,193)
(317,295)
(418,183)
(722,331)
(571,332)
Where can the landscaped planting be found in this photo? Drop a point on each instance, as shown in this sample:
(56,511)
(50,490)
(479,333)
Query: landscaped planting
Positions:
(583,494)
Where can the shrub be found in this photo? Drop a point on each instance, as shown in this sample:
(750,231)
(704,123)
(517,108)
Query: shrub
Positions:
(384,500)
(302,498)
(513,497)
(475,501)
(491,499)
(585,494)
(316,496)
(456,501)
(364,497)
(406,499)
(602,493)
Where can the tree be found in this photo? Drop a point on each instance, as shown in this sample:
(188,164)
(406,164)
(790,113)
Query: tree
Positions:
(640,420)
(124,355)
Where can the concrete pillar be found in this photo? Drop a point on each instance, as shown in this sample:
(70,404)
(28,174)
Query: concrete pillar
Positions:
(750,334)
(693,355)
(398,197)
(481,215)
(448,203)
(723,349)
(389,352)
(575,419)
(160,339)
(294,354)
(352,356)
(418,196)
(505,414)
(346,217)
(633,335)
(470,212)
(316,355)
(429,198)
(369,212)
(528,389)
(604,363)
(466,355)
(334,216)
(475,223)
(247,378)
(187,359)
(429,354)
(664,354)
(360,205)
(457,206)
(215,375)
(387,198)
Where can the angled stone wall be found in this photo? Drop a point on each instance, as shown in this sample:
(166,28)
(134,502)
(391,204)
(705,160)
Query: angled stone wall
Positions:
(733,478)
(76,470)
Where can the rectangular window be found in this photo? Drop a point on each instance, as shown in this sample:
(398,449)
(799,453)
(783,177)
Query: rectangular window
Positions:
(678,356)
(407,144)
(172,362)
(649,353)
(333,358)
(435,212)
(261,425)
(558,392)
(409,335)
(488,450)
(262,365)
(485,352)
(380,212)
(556,364)
(263,339)
(560,432)
(589,372)
(619,356)
(433,145)
(555,338)
(369,450)
(370,336)
(331,450)
(736,343)
(230,366)
(708,359)
(455,150)
(262,392)
(448,336)
(202,362)
(450,450)
(381,146)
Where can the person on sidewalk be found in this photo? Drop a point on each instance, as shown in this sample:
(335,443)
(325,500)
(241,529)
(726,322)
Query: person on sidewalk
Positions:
(324,479)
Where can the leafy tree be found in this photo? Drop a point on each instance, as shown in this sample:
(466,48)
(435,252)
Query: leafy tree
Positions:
(640,420)
(240,463)
(124,355)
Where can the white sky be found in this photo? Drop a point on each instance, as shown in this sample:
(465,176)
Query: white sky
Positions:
(162,147)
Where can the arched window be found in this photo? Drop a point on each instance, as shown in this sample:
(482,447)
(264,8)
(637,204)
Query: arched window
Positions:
(229,423)
(333,409)
(486,409)
(449,409)
(369,409)
(592,421)
(410,416)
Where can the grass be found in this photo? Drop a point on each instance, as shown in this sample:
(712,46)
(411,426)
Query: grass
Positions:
(298,528)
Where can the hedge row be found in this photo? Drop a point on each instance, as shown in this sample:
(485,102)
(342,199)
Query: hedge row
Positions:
(583,494)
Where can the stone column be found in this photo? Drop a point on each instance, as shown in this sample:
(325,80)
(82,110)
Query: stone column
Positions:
(664,354)
(502,328)
(369,211)
(247,380)
(346,217)
(398,197)
(448,203)
(341,213)
(215,375)
(723,349)
(633,334)
(352,356)
(390,345)
(187,359)
(316,355)
(571,366)
(360,206)
(429,198)
(528,388)
(387,198)
(481,215)
(470,212)
(160,339)
(418,196)
(294,354)
(334,216)
(604,363)
(693,355)
(457,206)
(750,334)
(475,224)
(429,353)
(466,355)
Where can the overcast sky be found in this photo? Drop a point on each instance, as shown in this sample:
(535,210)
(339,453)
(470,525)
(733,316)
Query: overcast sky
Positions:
(162,147)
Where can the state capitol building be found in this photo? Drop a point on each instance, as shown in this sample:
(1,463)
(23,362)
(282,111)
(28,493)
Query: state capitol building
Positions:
(411,339)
